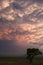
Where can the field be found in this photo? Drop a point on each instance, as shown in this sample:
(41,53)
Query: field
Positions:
(19,61)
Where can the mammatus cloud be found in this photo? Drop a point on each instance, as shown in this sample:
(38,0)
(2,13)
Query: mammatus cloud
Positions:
(22,21)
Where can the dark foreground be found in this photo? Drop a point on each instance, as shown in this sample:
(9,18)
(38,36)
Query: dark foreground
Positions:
(19,61)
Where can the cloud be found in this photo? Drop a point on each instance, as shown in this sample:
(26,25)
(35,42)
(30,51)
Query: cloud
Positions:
(38,1)
(10,48)
(22,21)
(16,6)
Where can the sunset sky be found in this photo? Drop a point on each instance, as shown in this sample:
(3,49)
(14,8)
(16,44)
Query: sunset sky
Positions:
(21,26)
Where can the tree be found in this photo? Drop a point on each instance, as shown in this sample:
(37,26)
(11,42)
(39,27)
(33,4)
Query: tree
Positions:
(32,52)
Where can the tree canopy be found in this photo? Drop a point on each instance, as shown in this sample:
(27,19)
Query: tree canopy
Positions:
(32,52)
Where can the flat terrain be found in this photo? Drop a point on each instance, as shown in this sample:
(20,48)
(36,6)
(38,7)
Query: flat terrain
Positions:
(19,61)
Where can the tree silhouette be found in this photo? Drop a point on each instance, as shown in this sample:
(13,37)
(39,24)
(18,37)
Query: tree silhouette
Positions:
(32,52)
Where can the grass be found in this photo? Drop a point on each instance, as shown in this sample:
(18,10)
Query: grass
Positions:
(19,61)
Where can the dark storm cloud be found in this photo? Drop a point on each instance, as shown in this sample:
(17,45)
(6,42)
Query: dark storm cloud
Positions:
(5,23)
(16,6)
(5,46)
(10,48)
(19,33)
(35,15)
(22,33)
(38,1)
(3,20)
(34,1)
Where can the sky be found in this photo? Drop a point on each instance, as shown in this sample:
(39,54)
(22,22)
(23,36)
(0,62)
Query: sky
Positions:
(21,26)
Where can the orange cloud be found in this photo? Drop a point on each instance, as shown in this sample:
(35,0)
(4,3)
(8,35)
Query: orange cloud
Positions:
(20,38)
(28,19)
